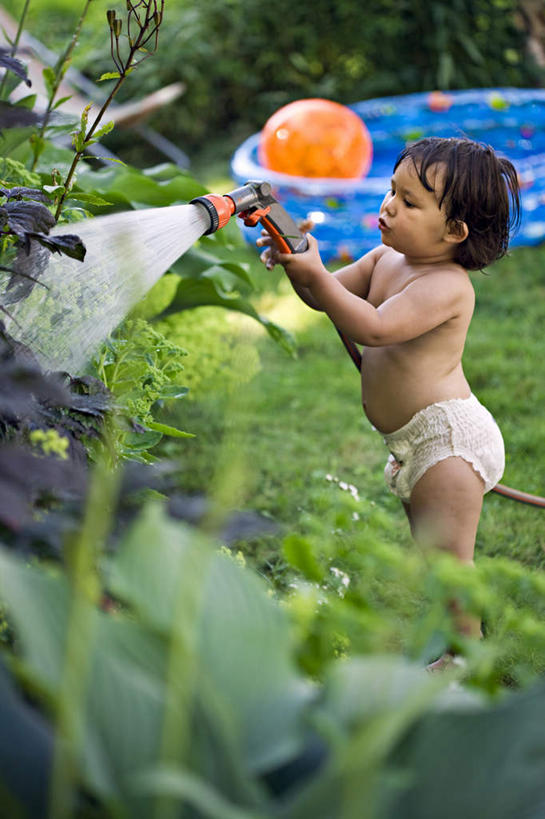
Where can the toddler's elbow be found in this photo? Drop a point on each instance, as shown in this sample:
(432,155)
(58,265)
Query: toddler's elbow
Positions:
(374,337)
(372,341)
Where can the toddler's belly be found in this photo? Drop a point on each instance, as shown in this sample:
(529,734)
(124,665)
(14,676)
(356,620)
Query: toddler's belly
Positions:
(394,388)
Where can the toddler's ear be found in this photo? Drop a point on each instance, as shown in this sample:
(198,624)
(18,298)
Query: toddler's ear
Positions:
(457,231)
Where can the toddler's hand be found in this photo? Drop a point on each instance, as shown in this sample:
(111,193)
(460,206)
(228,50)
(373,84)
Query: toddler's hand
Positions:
(301,268)
(272,256)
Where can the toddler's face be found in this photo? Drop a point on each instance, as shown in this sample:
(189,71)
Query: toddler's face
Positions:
(410,218)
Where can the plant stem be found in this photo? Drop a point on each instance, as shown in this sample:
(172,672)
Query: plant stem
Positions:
(68,181)
(59,74)
(154,20)
(15,44)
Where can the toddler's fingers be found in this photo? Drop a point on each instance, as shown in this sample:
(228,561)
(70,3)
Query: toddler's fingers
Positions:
(305,225)
(267,260)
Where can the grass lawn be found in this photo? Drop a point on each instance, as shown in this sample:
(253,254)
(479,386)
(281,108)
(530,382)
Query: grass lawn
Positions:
(269,441)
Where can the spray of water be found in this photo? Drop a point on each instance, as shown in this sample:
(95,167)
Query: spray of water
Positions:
(66,321)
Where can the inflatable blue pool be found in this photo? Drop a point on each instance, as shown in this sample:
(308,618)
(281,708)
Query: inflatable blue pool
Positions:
(512,120)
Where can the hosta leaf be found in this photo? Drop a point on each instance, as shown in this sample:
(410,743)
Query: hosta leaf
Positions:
(38,605)
(205,291)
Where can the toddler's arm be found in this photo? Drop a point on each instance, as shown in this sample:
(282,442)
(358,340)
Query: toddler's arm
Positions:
(422,305)
(300,267)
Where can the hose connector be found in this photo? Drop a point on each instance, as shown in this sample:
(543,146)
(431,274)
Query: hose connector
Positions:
(219,209)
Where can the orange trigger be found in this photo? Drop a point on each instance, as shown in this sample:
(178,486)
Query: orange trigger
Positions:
(251,218)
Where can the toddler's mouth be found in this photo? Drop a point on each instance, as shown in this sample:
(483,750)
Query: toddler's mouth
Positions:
(382,224)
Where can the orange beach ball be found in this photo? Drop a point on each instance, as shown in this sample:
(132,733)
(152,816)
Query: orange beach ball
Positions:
(316,138)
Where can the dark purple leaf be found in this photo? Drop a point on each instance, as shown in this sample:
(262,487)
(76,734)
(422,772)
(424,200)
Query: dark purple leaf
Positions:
(28,217)
(25,193)
(29,477)
(87,394)
(26,751)
(23,388)
(67,244)
(14,116)
(26,269)
(13,64)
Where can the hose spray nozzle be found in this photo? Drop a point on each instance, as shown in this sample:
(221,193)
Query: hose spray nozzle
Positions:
(253,203)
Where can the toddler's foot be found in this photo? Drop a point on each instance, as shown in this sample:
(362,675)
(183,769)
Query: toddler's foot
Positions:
(446,662)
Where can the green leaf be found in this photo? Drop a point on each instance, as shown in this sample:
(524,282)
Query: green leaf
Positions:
(107,159)
(104,130)
(137,187)
(165,429)
(205,291)
(37,603)
(138,441)
(50,80)
(90,198)
(12,138)
(27,102)
(184,785)
(197,261)
(298,551)
(280,335)
(54,190)
(124,714)
(172,391)
(475,738)
(241,638)
(110,75)
(61,101)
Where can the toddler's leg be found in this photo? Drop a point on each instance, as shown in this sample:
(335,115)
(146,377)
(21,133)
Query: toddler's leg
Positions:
(444,513)
(446,506)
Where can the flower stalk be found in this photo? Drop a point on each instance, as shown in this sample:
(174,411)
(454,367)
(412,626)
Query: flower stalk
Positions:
(144,19)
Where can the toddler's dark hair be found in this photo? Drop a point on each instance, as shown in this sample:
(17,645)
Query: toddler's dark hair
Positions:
(480,189)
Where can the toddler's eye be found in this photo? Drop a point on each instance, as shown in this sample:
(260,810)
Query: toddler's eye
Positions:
(408,204)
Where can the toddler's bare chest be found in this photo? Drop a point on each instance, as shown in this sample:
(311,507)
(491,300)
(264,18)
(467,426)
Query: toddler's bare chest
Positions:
(387,283)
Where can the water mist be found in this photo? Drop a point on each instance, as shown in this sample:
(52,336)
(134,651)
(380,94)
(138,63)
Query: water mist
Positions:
(66,317)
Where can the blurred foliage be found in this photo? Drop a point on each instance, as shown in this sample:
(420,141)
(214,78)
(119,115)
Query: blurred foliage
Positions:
(242,60)
(164,682)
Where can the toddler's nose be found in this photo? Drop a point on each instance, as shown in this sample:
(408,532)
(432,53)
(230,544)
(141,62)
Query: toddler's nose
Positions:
(389,205)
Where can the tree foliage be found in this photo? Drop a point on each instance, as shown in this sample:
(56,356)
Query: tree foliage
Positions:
(243,60)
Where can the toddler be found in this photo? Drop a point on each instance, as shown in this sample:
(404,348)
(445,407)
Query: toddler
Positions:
(410,301)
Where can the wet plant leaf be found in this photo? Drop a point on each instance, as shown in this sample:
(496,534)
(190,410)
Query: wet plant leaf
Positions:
(67,244)
(25,217)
